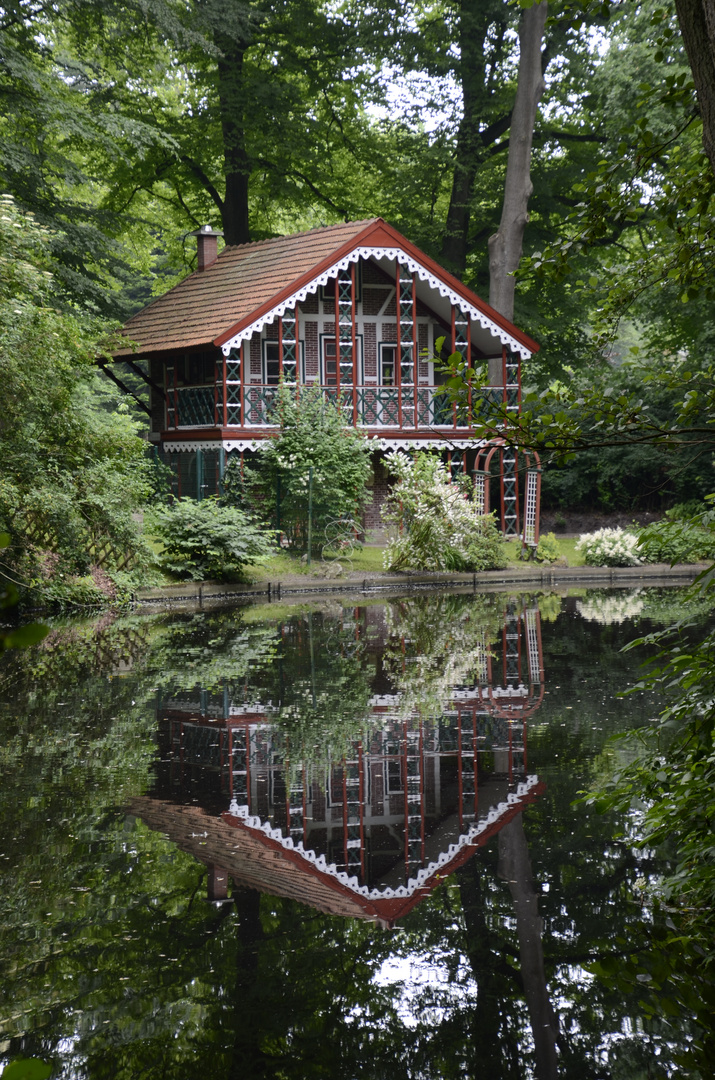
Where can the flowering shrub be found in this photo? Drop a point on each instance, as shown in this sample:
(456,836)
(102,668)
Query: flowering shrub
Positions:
(610,547)
(434,526)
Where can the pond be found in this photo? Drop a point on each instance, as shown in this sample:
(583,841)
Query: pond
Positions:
(327,840)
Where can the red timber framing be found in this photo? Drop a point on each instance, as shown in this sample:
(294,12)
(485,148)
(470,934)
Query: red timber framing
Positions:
(462,344)
(407,349)
(346,367)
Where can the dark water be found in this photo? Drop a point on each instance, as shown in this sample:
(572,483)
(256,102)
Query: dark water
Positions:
(327,841)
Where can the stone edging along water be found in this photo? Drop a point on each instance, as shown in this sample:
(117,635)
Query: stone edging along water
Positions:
(530,576)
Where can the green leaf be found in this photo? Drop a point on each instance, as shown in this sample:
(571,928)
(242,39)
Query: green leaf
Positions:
(27,1069)
(25,636)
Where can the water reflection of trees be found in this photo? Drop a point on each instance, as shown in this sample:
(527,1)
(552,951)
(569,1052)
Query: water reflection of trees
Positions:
(113,963)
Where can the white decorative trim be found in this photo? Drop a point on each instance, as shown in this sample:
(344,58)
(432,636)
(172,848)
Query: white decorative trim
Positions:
(423,876)
(380,253)
(442,444)
(188,446)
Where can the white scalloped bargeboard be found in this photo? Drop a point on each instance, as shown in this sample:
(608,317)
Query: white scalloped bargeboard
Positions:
(422,876)
(379,253)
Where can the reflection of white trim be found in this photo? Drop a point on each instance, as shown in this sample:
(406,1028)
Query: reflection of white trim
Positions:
(423,876)
(413,267)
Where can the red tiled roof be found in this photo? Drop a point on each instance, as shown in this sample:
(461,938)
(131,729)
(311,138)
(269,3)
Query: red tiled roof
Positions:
(208,303)
(246,282)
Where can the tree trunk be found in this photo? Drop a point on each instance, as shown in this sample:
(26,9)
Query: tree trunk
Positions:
(505,246)
(237,168)
(493,1041)
(515,869)
(249,1062)
(476,18)
(697,26)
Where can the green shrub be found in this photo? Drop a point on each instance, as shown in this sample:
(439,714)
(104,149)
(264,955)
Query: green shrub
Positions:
(207,540)
(548,549)
(434,525)
(683,537)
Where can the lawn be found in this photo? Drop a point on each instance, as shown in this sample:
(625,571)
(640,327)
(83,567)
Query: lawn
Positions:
(368,560)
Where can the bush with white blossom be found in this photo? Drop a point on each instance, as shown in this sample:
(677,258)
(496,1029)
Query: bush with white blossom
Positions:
(610,547)
(433,523)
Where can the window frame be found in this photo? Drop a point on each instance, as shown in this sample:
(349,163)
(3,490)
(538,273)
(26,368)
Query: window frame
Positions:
(325,337)
(265,344)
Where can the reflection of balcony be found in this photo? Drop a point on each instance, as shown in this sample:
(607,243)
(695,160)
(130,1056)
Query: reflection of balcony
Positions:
(254,405)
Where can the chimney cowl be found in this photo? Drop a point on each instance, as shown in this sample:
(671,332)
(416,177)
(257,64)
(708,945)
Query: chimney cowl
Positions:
(206,245)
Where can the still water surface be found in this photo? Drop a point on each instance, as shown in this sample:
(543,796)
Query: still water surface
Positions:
(326,841)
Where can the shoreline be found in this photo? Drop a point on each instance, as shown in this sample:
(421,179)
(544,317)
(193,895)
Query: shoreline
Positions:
(199,592)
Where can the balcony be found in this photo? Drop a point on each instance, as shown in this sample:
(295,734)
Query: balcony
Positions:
(255,407)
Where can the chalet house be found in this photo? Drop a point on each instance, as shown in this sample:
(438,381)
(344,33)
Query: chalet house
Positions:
(355,308)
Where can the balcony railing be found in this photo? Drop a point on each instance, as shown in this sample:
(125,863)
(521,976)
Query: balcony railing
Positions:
(401,408)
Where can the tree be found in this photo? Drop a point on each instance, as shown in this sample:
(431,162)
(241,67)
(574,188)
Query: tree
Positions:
(72,465)
(313,441)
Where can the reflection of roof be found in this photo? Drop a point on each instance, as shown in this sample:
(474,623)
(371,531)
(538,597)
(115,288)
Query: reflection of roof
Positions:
(260,857)
(244,288)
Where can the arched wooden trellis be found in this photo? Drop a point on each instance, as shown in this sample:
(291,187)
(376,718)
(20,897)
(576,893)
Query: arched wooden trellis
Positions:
(512,522)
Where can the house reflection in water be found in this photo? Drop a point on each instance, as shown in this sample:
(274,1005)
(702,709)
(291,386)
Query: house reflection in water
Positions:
(367,835)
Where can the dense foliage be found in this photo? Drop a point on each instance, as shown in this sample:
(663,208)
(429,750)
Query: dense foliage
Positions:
(313,440)
(72,463)
(666,777)
(207,540)
(432,522)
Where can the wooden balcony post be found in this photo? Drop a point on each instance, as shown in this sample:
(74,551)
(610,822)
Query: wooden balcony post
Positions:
(280,350)
(337,335)
(398,347)
(415,351)
(297,354)
(452,350)
(353,342)
(242,355)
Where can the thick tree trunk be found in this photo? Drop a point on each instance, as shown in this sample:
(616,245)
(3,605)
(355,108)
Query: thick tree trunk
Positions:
(697,26)
(237,168)
(515,869)
(505,246)
(476,19)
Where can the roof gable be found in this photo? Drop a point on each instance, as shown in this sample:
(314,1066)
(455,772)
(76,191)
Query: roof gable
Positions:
(251,285)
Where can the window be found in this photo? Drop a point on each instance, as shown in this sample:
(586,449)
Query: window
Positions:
(272,366)
(328,362)
(194,369)
(393,777)
(387,364)
(271,363)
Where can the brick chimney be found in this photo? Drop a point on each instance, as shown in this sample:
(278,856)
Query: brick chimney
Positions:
(206,245)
